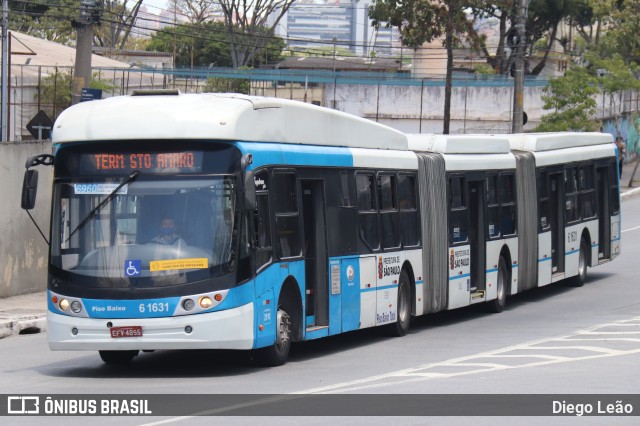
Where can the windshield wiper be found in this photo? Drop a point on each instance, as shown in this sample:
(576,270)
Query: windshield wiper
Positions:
(133,176)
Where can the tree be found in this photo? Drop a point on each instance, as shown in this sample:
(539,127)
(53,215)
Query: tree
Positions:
(421,21)
(198,11)
(227,85)
(622,35)
(572,100)
(206,45)
(53,22)
(246,25)
(501,11)
(118,19)
(55,94)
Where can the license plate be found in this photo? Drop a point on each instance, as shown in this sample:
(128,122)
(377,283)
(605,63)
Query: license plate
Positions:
(127,331)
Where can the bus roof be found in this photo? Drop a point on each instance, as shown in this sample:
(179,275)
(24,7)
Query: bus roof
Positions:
(220,117)
(549,141)
(459,144)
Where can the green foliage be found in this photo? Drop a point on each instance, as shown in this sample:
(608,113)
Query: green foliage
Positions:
(483,69)
(572,100)
(56,90)
(45,20)
(208,44)
(227,85)
(622,35)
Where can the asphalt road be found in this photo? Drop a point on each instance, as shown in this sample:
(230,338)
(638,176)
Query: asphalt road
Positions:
(552,340)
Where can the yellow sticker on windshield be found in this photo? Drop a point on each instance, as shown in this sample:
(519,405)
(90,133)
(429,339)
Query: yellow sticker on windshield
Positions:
(171,265)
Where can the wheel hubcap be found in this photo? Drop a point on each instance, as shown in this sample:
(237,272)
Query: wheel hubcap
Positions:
(403,312)
(284,328)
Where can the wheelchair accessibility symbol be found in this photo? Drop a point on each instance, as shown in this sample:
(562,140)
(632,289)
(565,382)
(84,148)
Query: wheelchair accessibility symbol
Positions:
(132,268)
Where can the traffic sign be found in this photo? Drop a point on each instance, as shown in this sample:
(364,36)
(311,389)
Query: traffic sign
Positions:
(40,126)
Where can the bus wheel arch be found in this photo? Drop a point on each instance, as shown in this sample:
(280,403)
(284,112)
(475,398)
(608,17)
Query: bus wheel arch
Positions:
(406,289)
(288,325)
(584,260)
(503,282)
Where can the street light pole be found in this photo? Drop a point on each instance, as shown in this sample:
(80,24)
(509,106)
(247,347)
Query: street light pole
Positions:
(5,71)
(84,48)
(517,124)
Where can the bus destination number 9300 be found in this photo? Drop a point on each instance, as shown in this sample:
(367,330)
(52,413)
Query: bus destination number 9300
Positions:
(153,307)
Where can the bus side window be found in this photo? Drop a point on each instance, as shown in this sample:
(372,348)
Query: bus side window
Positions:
(389,211)
(615,191)
(543,201)
(459,217)
(285,198)
(493,206)
(407,202)
(587,192)
(368,210)
(572,211)
(262,225)
(508,204)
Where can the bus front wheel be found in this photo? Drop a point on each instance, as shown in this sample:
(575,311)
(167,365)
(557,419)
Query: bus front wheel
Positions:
(117,357)
(278,352)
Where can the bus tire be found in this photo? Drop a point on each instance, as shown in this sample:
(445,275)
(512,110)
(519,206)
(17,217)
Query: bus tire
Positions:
(117,357)
(278,353)
(579,280)
(497,305)
(403,314)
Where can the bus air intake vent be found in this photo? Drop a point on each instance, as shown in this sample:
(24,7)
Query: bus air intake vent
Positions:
(155,92)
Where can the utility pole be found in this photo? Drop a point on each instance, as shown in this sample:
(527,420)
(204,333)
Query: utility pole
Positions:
(89,15)
(5,71)
(519,44)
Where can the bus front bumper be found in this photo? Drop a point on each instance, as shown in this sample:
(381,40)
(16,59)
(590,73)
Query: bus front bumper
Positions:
(228,329)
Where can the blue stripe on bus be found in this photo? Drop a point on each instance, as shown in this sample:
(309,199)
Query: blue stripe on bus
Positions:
(488,271)
(419,282)
(571,252)
(384,287)
(544,259)
(615,239)
(295,155)
(595,245)
(459,276)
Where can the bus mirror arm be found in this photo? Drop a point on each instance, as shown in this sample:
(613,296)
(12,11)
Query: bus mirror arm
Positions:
(30,185)
(249,191)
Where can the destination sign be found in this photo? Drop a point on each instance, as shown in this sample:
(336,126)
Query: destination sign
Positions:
(151,162)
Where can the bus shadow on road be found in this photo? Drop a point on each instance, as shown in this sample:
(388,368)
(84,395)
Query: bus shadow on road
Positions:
(219,363)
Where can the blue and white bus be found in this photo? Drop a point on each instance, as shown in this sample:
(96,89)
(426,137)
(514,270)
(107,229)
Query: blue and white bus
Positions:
(223,221)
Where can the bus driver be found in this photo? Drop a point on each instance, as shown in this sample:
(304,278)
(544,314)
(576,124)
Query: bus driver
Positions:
(168,234)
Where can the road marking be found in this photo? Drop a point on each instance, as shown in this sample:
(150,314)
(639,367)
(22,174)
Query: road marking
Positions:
(630,229)
(421,373)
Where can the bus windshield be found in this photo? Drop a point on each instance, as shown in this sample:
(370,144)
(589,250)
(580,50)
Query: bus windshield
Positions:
(156,231)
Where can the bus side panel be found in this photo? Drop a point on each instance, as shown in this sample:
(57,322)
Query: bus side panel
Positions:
(389,267)
(493,257)
(544,259)
(368,273)
(572,235)
(350,278)
(592,244)
(512,244)
(414,257)
(459,276)
(615,236)
(268,284)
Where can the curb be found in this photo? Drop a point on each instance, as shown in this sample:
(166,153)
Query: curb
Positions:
(24,325)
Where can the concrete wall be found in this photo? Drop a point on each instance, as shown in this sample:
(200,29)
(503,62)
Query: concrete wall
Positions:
(23,252)
(416,109)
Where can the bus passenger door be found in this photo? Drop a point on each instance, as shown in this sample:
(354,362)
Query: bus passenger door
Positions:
(315,252)
(604,213)
(477,238)
(556,221)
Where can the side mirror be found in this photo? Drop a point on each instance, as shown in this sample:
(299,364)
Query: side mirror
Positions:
(249,191)
(29,189)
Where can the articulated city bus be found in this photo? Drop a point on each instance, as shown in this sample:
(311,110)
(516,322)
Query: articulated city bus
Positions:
(223,221)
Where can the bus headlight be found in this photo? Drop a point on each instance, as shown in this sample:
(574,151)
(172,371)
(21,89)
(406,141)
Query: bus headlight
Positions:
(205,302)
(76,306)
(188,304)
(64,304)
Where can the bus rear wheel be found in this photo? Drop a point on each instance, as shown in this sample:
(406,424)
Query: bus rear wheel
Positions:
(117,357)
(497,305)
(403,313)
(278,352)
(579,280)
